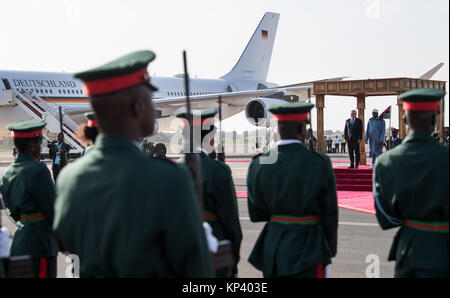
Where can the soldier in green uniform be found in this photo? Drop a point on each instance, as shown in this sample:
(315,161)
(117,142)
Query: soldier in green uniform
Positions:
(123,213)
(296,195)
(29,194)
(395,140)
(220,208)
(88,132)
(411,191)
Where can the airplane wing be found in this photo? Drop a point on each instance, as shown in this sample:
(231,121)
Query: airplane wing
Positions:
(235,98)
(232,98)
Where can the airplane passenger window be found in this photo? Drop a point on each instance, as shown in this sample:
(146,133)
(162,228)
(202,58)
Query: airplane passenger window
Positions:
(51,92)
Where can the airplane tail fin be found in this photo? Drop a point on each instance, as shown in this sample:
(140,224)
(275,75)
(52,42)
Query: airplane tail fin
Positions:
(431,72)
(254,61)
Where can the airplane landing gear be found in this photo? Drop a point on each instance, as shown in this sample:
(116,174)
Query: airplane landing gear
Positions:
(158,150)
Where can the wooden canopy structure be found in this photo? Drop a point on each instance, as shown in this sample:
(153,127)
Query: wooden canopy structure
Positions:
(370,87)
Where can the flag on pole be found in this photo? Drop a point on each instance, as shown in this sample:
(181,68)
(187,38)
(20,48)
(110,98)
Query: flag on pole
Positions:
(386,114)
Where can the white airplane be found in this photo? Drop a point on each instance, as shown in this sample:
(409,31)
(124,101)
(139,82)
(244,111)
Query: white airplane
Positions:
(244,87)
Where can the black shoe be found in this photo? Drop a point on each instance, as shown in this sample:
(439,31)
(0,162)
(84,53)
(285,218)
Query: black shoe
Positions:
(350,167)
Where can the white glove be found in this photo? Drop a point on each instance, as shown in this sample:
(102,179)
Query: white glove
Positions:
(4,242)
(213,244)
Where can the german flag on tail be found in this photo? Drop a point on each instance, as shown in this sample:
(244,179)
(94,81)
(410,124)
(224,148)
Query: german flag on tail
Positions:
(264,34)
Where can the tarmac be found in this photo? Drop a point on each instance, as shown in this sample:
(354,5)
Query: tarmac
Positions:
(363,246)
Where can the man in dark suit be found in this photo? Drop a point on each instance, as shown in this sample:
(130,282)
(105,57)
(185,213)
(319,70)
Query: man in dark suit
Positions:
(353,136)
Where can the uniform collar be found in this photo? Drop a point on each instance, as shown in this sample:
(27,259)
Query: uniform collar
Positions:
(288,142)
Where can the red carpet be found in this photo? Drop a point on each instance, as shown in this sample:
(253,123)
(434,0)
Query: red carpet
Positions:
(361,201)
(353,179)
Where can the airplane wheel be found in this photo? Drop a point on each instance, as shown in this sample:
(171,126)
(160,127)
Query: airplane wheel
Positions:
(160,150)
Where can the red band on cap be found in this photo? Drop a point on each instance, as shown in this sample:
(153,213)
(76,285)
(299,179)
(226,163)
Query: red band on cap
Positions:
(29,134)
(291,117)
(92,123)
(108,85)
(421,106)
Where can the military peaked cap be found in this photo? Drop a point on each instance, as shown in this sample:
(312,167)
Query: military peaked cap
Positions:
(291,112)
(27,128)
(122,73)
(92,122)
(425,99)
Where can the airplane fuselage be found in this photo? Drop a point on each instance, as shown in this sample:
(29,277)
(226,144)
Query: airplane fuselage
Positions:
(62,89)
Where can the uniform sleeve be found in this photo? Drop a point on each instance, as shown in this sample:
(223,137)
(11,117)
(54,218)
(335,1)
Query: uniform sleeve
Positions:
(184,235)
(384,212)
(227,210)
(257,208)
(44,193)
(329,207)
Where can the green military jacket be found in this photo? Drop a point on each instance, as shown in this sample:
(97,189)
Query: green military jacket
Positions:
(29,194)
(220,203)
(300,183)
(411,183)
(129,215)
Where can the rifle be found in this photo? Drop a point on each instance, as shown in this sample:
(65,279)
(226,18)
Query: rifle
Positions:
(221,148)
(192,159)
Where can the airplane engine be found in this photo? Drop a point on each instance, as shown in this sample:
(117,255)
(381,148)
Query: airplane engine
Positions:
(257,112)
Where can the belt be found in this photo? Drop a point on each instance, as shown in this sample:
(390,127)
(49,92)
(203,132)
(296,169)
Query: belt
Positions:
(430,226)
(295,220)
(32,217)
(208,216)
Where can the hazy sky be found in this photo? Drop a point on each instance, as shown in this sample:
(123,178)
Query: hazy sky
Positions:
(315,39)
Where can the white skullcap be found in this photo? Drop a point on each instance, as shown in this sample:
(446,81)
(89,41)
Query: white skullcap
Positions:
(374,111)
